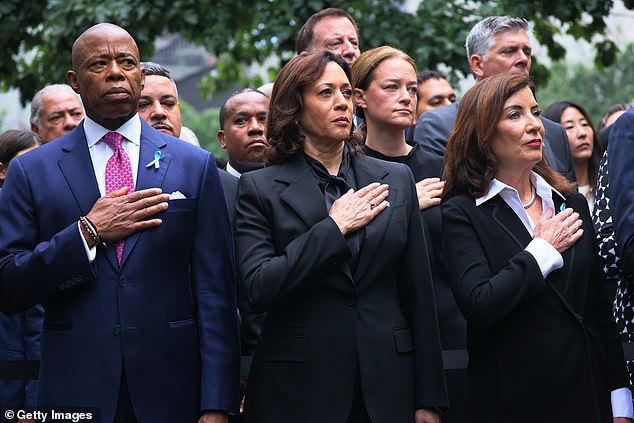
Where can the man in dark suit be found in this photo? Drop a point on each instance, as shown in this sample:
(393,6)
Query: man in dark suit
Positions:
(243,135)
(243,130)
(495,44)
(620,189)
(138,287)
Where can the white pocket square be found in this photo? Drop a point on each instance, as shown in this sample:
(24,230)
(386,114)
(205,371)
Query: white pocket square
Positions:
(177,195)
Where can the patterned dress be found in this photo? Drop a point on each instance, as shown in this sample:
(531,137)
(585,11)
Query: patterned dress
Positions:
(614,272)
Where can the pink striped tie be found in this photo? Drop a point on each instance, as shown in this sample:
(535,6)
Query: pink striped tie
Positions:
(118,173)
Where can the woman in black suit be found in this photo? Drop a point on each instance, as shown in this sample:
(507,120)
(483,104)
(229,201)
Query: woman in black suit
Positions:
(522,263)
(330,244)
(385,93)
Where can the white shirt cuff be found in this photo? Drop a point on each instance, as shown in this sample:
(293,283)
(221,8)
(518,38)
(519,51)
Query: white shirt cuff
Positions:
(547,256)
(91,253)
(622,403)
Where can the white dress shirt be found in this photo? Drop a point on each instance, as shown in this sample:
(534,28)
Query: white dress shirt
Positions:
(547,257)
(100,153)
(232,170)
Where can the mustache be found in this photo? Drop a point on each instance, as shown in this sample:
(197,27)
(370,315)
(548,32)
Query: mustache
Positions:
(162,123)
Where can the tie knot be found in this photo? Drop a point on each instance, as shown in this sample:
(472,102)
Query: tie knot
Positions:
(114,140)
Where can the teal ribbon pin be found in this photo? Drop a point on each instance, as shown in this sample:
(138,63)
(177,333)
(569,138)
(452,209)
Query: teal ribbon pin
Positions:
(155,162)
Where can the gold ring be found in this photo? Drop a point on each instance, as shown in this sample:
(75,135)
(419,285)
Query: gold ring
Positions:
(372,205)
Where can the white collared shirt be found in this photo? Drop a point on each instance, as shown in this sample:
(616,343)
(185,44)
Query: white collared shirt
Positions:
(232,170)
(547,257)
(100,152)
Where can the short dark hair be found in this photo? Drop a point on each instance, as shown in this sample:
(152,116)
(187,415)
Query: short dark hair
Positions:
(222,116)
(13,141)
(306,38)
(429,74)
(470,164)
(152,68)
(285,109)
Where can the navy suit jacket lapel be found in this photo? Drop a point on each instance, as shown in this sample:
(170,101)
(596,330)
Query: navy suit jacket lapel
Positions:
(76,166)
(148,177)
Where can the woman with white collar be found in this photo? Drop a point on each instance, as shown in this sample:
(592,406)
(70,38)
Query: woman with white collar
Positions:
(522,263)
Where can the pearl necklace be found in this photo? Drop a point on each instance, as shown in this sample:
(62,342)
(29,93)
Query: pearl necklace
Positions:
(533,198)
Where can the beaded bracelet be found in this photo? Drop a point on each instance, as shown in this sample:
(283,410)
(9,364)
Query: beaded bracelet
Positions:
(92,230)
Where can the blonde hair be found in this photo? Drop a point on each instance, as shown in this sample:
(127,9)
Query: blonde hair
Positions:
(363,73)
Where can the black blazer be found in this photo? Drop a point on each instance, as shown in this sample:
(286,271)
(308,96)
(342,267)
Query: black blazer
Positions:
(326,325)
(539,350)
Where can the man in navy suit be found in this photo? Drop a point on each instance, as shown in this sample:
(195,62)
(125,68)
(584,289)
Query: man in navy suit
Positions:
(620,190)
(137,282)
(494,45)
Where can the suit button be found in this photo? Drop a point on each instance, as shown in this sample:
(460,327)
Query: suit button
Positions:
(116,330)
(351,301)
(123,281)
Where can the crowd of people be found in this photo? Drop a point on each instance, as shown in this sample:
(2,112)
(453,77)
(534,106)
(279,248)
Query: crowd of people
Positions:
(372,250)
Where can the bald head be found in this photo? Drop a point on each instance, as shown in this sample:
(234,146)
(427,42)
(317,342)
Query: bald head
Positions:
(99,30)
(106,74)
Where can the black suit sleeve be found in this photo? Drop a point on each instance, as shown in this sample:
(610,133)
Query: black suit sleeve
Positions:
(417,298)
(485,297)
(268,275)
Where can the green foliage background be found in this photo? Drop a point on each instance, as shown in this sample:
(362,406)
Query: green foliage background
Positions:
(205,125)
(596,89)
(36,36)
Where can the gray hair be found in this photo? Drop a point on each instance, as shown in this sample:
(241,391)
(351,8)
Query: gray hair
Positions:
(36,103)
(480,38)
(152,68)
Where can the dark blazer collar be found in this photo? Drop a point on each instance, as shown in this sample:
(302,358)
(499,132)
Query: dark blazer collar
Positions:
(368,170)
(302,194)
(76,166)
(148,177)
(508,221)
